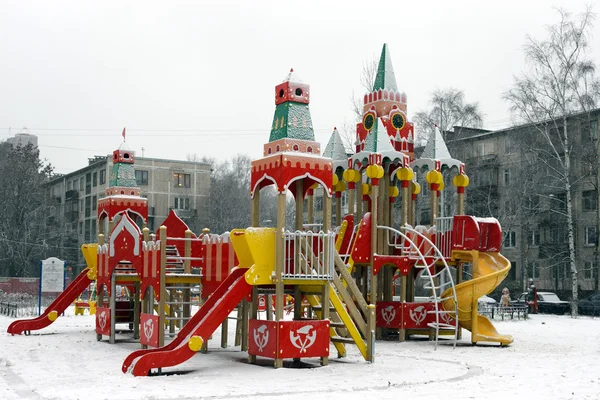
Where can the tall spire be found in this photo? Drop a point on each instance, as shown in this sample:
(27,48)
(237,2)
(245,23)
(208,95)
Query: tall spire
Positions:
(385,78)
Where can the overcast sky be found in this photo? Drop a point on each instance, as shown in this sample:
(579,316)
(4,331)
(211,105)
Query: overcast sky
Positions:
(199,77)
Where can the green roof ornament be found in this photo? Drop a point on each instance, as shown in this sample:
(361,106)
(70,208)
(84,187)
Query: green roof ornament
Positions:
(385,78)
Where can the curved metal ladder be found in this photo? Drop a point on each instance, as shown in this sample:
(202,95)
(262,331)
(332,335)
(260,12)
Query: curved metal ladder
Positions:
(413,250)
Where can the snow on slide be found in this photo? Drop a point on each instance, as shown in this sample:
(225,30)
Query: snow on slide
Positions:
(202,324)
(64,300)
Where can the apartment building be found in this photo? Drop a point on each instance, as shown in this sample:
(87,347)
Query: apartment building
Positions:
(516,179)
(183,186)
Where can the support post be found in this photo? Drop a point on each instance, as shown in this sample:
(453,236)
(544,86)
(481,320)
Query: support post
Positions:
(112,305)
(162,234)
(374,212)
(279,254)
(187,268)
(253,315)
(136,310)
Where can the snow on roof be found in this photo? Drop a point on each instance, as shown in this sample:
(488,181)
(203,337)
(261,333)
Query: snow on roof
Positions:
(335,148)
(293,77)
(436,149)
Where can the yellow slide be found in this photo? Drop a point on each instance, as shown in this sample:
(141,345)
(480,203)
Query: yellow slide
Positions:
(489,270)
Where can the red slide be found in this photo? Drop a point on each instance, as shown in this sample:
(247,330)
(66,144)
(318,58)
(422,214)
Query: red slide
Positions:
(208,318)
(59,305)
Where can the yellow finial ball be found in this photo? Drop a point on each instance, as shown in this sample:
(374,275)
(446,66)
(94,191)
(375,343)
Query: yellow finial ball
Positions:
(434,177)
(405,174)
(416,188)
(394,191)
(366,189)
(335,180)
(375,171)
(461,180)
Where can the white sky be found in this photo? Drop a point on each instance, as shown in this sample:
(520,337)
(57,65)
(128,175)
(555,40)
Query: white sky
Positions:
(199,77)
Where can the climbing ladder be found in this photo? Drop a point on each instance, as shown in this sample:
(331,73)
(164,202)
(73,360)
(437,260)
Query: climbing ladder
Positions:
(428,258)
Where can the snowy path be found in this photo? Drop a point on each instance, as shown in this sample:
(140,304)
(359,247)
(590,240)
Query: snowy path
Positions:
(552,356)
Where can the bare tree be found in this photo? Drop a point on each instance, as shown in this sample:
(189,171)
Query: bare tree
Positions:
(447,110)
(25,211)
(367,80)
(559,84)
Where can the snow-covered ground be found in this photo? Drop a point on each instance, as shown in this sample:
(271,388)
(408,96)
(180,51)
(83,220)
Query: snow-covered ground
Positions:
(552,357)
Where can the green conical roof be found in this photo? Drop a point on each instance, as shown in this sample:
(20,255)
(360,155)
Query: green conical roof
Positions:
(385,78)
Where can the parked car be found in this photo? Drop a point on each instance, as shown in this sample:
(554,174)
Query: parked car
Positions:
(547,302)
(590,305)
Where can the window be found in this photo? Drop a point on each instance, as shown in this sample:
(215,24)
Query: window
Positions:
(485,177)
(88,207)
(69,185)
(507,177)
(95,179)
(94,202)
(141,178)
(510,207)
(589,270)
(102,177)
(510,239)
(81,183)
(182,180)
(88,183)
(533,202)
(562,270)
(481,149)
(533,238)
(559,202)
(533,270)
(76,184)
(181,203)
(590,235)
(594,130)
(588,200)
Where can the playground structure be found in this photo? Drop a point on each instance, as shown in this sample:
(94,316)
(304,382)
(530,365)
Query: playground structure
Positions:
(358,277)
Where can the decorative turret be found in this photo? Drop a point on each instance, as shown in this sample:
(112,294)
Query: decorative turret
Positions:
(122,194)
(387,104)
(292,153)
(123,172)
(292,116)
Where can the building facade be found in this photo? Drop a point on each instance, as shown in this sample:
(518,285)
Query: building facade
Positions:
(183,186)
(517,179)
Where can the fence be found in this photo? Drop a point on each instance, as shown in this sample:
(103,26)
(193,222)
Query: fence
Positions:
(308,255)
(17,305)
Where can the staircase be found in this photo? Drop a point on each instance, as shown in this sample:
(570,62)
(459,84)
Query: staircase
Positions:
(352,321)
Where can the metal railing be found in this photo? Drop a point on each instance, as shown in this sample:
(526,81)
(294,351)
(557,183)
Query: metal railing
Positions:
(440,283)
(443,235)
(308,255)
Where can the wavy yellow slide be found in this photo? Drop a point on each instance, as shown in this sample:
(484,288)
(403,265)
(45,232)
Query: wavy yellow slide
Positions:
(489,270)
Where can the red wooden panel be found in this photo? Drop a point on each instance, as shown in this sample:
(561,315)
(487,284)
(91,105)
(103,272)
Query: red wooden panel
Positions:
(149,329)
(303,339)
(103,321)
(262,338)
(389,314)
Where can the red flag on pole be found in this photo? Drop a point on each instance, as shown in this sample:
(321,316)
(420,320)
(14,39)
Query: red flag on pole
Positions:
(123,134)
